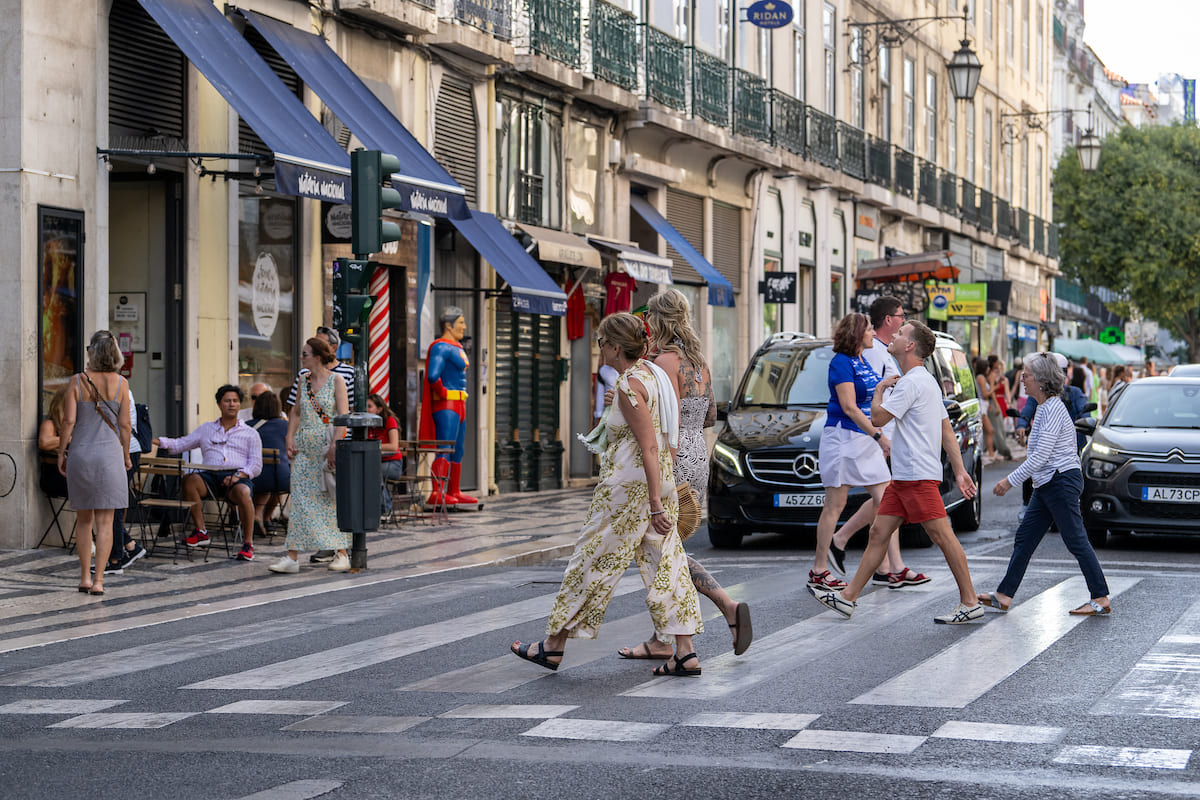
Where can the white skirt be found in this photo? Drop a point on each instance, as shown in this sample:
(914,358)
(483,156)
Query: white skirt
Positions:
(850,458)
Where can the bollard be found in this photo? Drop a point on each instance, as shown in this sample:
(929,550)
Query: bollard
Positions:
(358,480)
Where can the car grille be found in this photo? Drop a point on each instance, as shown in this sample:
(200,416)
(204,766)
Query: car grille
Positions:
(798,470)
(1141,508)
(1183,480)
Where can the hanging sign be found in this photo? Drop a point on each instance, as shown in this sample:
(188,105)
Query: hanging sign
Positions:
(778,287)
(769,14)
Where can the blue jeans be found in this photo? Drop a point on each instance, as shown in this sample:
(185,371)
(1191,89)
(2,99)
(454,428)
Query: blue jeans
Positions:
(1056,500)
(393,470)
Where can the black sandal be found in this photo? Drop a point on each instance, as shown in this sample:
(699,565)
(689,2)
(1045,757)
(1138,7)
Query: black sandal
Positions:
(542,657)
(678,671)
(743,633)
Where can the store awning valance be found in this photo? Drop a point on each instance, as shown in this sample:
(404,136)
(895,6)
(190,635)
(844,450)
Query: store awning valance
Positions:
(642,265)
(534,292)
(916,267)
(308,161)
(424,185)
(562,248)
(720,290)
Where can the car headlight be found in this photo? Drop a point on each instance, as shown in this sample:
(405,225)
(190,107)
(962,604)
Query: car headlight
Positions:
(1103,449)
(727,458)
(1099,468)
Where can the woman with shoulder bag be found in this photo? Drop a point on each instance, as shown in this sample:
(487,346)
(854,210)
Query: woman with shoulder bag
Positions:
(311,439)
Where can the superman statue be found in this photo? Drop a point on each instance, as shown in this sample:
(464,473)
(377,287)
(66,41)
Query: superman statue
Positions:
(444,407)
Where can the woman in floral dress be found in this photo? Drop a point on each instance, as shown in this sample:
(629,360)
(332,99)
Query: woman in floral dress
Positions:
(313,521)
(632,515)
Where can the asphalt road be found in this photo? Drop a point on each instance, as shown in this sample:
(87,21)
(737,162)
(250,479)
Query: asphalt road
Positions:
(405,689)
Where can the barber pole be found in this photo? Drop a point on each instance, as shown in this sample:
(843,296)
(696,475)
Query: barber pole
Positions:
(378,337)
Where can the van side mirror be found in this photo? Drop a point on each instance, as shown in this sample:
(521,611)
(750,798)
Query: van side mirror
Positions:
(1089,408)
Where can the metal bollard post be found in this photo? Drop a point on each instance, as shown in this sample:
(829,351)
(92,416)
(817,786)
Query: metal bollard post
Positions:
(358,481)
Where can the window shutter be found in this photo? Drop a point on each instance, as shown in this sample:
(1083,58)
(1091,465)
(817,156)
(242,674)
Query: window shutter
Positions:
(456,135)
(146,76)
(727,242)
(685,212)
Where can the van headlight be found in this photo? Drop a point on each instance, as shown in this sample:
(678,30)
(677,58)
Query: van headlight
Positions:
(728,459)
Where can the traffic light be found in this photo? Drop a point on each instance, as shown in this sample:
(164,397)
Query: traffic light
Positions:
(351,281)
(369,197)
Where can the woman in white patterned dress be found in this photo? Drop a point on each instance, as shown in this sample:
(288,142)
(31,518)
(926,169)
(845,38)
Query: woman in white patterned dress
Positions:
(668,317)
(632,515)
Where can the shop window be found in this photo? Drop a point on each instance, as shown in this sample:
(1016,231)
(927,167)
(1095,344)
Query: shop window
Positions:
(268,349)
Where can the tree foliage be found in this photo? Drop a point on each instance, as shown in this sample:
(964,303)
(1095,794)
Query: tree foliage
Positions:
(1133,225)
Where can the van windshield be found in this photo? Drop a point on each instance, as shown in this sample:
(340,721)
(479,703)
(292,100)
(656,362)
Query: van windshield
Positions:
(788,376)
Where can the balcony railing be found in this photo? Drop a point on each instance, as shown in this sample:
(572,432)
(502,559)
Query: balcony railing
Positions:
(554,30)
(1052,240)
(948,192)
(822,138)
(987,210)
(666,68)
(1004,219)
(879,161)
(853,146)
(967,204)
(905,172)
(489,16)
(787,122)
(1022,226)
(1039,235)
(927,183)
(614,45)
(750,106)
(710,88)
(529,198)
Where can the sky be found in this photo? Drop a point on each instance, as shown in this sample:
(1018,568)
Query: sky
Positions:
(1141,39)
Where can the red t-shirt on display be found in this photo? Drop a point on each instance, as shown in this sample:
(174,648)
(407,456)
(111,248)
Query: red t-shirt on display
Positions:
(619,288)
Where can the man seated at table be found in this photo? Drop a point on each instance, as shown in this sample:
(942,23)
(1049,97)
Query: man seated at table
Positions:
(235,450)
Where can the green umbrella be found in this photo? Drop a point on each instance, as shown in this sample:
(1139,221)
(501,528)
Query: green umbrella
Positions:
(1095,351)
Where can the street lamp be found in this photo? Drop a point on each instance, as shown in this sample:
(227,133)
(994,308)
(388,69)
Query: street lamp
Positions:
(1089,146)
(964,67)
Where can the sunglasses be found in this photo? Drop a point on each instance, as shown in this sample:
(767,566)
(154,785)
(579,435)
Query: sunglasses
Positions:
(600,341)
(253,397)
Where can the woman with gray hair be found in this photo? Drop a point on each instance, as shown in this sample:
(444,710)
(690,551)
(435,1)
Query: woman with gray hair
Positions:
(1053,464)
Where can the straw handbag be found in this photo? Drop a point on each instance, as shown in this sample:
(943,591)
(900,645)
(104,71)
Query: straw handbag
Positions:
(689,510)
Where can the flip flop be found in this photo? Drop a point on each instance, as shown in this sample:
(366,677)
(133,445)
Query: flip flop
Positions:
(542,657)
(991,601)
(632,653)
(1091,609)
(743,632)
(678,671)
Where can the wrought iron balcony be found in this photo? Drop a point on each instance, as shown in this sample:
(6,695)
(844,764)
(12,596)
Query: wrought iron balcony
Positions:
(529,198)
(554,30)
(927,183)
(879,161)
(1004,219)
(1039,235)
(787,122)
(948,192)
(1052,240)
(853,145)
(968,206)
(614,45)
(710,88)
(666,68)
(822,137)
(489,16)
(750,106)
(987,210)
(1022,226)
(905,172)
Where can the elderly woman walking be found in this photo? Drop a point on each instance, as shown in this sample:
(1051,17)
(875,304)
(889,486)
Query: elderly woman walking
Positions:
(632,515)
(1053,463)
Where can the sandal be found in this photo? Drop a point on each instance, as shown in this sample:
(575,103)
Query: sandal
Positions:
(542,657)
(1091,609)
(991,601)
(632,652)
(743,633)
(678,671)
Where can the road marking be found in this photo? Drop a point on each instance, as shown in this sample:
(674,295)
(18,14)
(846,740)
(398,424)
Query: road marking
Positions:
(294,707)
(71,706)
(598,730)
(483,711)
(1165,682)
(969,668)
(1145,757)
(113,719)
(998,732)
(854,742)
(752,721)
(334,723)
(296,790)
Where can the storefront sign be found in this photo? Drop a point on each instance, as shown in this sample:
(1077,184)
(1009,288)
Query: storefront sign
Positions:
(866,222)
(778,287)
(645,272)
(60,259)
(304,181)
(962,301)
(769,14)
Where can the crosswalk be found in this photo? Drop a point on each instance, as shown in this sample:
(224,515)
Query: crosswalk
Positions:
(946,696)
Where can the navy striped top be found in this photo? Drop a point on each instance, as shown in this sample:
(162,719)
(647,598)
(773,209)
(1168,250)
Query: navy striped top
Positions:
(1052,445)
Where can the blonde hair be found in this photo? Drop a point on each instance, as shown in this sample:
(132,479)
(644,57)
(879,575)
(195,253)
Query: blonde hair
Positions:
(55,411)
(626,333)
(669,318)
(103,353)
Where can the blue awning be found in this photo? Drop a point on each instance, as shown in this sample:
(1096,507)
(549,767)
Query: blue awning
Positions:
(534,292)
(720,290)
(308,161)
(423,183)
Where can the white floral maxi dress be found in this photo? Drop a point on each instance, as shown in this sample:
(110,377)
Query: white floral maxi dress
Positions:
(618,529)
(312,523)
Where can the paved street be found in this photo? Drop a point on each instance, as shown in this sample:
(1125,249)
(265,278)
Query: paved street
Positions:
(224,681)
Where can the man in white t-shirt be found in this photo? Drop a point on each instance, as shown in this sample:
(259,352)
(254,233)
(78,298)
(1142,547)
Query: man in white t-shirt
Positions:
(887,316)
(913,496)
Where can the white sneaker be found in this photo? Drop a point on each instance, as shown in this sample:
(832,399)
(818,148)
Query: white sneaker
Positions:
(340,563)
(285,564)
(961,614)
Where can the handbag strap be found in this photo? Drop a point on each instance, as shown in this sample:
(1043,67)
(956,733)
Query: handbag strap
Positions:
(96,403)
(312,398)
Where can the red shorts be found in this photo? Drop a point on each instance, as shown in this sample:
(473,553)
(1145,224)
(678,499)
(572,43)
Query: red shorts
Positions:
(912,501)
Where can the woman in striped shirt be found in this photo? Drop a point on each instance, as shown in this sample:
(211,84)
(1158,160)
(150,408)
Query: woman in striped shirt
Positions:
(1053,464)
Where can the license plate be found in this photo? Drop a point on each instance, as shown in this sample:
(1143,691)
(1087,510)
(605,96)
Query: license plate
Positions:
(1168,494)
(799,500)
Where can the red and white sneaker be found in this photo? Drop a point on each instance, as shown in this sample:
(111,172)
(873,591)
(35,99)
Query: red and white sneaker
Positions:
(907,577)
(246,553)
(824,580)
(198,539)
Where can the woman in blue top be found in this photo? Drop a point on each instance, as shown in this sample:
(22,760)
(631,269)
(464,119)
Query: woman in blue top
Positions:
(853,451)
(275,479)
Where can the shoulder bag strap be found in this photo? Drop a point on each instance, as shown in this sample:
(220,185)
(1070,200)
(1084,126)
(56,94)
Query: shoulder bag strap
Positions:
(97,401)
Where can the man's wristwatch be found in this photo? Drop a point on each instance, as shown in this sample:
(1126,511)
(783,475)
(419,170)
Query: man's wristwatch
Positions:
(877,435)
